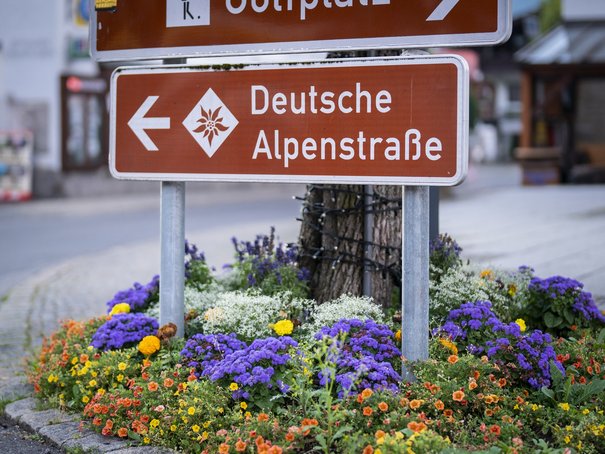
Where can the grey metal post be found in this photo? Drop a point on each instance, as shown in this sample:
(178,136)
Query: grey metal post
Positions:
(172,252)
(368,234)
(172,269)
(415,275)
(434,216)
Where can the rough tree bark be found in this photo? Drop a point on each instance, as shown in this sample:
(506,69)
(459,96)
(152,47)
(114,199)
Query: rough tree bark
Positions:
(332,244)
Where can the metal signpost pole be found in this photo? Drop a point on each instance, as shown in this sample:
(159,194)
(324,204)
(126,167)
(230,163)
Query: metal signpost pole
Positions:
(172,250)
(172,270)
(415,275)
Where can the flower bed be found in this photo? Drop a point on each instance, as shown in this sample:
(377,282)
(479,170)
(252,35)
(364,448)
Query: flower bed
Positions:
(517,364)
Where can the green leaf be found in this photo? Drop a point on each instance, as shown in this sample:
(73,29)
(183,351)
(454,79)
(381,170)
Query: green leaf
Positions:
(601,338)
(569,315)
(548,392)
(551,320)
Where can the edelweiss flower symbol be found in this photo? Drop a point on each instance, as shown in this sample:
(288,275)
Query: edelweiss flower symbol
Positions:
(210,124)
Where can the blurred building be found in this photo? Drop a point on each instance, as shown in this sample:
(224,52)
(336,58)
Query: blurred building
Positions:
(563,95)
(49,86)
(496,88)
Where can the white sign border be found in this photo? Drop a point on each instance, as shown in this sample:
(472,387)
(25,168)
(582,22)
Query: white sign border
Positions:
(462,152)
(502,34)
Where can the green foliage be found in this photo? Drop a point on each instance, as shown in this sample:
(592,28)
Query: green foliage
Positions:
(550,14)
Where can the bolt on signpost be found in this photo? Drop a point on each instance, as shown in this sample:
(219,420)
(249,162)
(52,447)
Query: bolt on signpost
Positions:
(401,121)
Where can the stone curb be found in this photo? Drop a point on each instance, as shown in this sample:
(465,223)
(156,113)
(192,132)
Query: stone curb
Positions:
(62,429)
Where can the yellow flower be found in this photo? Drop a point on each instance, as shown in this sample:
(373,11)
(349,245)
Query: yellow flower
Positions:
(487,274)
(149,345)
(122,366)
(512,290)
(191,411)
(283,327)
(120,378)
(243,405)
(567,439)
(146,440)
(564,406)
(122,308)
(154,423)
(195,428)
(398,335)
(85,399)
(173,428)
(521,324)
(233,386)
(449,345)
(92,383)
(585,411)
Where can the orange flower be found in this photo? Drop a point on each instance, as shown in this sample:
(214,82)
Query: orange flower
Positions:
(240,446)
(383,406)
(145,376)
(439,405)
(152,386)
(415,404)
(502,382)
(168,383)
(380,433)
(367,393)
(404,402)
(309,422)
(472,385)
(109,424)
(290,436)
(476,375)
(489,399)
(520,400)
(495,429)
(368,450)
(122,432)
(223,448)
(416,426)
(452,359)
(83,358)
(448,413)
(97,421)
(458,396)
(262,417)
(489,412)
(359,398)
(367,411)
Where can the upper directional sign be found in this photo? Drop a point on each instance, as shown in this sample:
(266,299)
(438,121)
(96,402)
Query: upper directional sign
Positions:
(377,121)
(144,29)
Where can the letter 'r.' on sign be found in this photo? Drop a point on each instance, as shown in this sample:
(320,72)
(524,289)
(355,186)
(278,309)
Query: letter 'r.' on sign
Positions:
(380,121)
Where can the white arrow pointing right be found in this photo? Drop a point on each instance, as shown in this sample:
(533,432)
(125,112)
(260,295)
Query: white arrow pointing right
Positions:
(138,123)
(444,8)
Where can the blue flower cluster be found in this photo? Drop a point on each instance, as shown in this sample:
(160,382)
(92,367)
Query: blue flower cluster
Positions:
(445,252)
(363,353)
(201,352)
(527,357)
(138,297)
(470,323)
(267,259)
(123,330)
(255,368)
(559,287)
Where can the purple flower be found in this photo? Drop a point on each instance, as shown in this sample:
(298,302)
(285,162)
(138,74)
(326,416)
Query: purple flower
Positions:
(204,351)
(123,330)
(138,297)
(362,353)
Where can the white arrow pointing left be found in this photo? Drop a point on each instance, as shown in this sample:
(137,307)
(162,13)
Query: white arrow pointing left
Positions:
(138,123)
(441,12)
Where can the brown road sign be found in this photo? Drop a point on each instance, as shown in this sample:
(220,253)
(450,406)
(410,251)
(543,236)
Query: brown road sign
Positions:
(144,29)
(377,121)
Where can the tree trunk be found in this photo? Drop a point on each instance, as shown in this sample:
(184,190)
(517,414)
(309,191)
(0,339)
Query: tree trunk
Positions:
(332,244)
